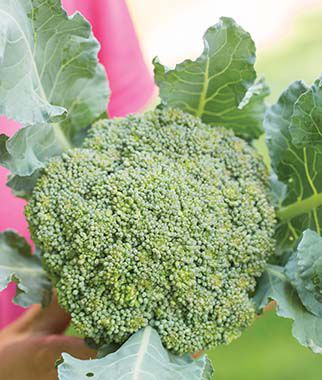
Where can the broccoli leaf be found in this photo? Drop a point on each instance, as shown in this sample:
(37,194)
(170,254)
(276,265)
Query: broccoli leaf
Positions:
(306,123)
(49,65)
(141,357)
(220,86)
(304,269)
(274,285)
(294,141)
(29,148)
(296,165)
(22,187)
(48,74)
(19,265)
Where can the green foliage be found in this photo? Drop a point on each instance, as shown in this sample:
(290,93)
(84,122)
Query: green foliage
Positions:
(158,219)
(17,264)
(220,86)
(22,187)
(296,165)
(274,285)
(306,122)
(50,81)
(304,269)
(55,70)
(29,149)
(294,141)
(141,357)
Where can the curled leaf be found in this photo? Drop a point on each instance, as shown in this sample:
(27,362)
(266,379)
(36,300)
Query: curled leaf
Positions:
(19,265)
(275,285)
(304,270)
(220,86)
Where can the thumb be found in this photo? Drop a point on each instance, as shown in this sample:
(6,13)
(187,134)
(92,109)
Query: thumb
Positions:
(57,344)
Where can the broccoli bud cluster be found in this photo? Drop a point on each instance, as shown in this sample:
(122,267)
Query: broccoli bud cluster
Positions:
(157,220)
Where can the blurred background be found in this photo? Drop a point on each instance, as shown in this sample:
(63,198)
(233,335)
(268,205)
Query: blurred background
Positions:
(288,36)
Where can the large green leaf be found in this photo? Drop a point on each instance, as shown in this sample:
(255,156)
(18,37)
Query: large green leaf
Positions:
(48,65)
(304,269)
(49,73)
(19,265)
(141,357)
(220,86)
(274,285)
(294,142)
(298,166)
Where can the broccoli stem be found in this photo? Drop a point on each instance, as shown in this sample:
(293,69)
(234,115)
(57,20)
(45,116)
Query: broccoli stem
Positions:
(61,137)
(300,207)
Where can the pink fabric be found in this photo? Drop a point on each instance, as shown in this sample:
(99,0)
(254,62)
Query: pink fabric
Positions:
(120,52)
(131,86)
(11,216)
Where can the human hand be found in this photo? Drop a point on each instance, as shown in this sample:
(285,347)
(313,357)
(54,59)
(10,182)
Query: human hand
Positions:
(30,346)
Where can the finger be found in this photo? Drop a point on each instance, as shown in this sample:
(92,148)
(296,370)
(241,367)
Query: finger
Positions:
(76,347)
(37,357)
(41,321)
(51,348)
(50,320)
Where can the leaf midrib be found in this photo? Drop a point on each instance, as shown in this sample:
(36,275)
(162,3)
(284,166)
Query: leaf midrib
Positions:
(141,352)
(35,69)
(20,269)
(203,94)
(300,207)
(57,128)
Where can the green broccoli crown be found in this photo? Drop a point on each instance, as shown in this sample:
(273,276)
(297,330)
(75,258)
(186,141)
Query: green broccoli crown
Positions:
(157,220)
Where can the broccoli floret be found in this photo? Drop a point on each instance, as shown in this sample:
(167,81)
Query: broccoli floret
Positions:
(157,220)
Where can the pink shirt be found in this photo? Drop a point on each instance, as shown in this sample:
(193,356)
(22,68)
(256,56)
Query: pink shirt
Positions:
(131,85)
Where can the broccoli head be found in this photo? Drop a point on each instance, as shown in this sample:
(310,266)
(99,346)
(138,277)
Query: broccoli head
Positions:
(158,219)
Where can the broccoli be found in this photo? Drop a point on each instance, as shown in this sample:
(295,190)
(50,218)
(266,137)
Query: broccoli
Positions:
(160,220)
